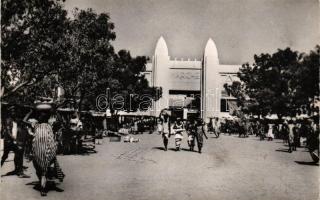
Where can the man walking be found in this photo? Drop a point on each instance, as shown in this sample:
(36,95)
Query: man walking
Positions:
(15,135)
(199,134)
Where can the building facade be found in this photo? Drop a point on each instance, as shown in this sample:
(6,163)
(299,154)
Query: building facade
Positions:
(191,87)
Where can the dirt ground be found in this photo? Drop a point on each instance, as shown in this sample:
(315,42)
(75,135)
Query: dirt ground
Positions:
(229,168)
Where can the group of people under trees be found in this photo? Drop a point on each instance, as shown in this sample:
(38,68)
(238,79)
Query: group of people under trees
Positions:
(290,131)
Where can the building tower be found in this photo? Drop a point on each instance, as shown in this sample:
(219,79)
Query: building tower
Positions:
(160,74)
(209,83)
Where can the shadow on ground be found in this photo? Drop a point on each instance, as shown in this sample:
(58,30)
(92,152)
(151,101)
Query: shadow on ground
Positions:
(51,186)
(158,148)
(283,150)
(307,163)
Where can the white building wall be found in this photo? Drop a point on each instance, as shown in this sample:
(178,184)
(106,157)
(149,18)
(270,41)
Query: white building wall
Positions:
(189,75)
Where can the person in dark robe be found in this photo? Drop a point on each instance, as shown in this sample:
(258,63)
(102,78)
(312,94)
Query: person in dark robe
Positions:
(15,137)
(199,134)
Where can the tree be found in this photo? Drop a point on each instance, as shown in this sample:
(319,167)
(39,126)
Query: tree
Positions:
(93,66)
(276,84)
(90,54)
(307,79)
(30,48)
(43,49)
(134,90)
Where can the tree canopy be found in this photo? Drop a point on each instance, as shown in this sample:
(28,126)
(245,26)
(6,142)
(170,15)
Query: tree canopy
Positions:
(43,48)
(282,83)
(30,48)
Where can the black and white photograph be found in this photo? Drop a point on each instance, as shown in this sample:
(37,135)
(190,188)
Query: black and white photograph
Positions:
(160,99)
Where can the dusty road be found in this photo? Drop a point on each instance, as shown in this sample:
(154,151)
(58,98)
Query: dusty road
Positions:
(229,168)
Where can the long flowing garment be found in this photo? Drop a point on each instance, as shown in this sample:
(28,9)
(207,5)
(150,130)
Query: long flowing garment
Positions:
(178,136)
(270,134)
(199,137)
(217,129)
(165,134)
(191,134)
(44,148)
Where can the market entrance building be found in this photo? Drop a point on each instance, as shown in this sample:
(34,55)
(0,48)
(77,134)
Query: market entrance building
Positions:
(191,87)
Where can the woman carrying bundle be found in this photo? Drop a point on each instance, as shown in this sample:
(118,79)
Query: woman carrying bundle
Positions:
(44,147)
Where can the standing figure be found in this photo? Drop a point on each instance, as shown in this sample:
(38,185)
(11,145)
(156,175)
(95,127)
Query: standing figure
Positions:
(199,134)
(166,131)
(261,131)
(276,131)
(140,127)
(210,128)
(284,131)
(291,137)
(15,137)
(241,128)
(135,127)
(297,135)
(257,128)
(217,127)
(251,128)
(313,141)
(191,131)
(75,128)
(178,136)
(160,126)
(44,148)
(270,134)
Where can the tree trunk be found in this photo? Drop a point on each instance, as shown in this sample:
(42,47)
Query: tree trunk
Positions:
(82,94)
(280,117)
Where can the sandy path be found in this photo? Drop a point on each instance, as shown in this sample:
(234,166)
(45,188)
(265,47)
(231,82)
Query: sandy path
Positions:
(229,168)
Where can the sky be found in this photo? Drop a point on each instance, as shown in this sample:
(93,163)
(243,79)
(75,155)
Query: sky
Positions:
(240,28)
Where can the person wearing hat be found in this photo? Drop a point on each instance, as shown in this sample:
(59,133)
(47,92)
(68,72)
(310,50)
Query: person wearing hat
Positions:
(15,135)
(44,146)
(199,134)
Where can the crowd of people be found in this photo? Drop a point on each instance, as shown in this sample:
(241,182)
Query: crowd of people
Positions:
(193,128)
(294,132)
(39,135)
